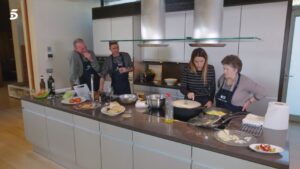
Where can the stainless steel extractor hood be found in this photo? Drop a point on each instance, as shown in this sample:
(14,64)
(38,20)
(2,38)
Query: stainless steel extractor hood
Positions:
(208,18)
(153,22)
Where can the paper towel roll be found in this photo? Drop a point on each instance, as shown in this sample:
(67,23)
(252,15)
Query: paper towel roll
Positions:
(277,116)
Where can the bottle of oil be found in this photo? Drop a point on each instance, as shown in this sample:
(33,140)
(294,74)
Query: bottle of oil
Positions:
(51,85)
(42,84)
(169,112)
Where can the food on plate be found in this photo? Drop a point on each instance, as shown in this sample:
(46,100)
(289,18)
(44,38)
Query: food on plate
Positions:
(41,94)
(265,148)
(68,94)
(75,100)
(114,107)
(226,136)
(216,113)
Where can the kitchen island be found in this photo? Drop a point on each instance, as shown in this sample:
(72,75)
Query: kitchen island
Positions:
(91,140)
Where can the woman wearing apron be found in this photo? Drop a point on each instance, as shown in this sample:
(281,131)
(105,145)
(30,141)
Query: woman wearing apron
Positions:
(198,79)
(236,91)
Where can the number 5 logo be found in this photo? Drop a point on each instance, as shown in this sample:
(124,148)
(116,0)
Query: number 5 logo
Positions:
(13,14)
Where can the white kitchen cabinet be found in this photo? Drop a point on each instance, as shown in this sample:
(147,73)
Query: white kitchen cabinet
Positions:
(150,54)
(101,31)
(119,28)
(203,159)
(174,29)
(35,126)
(60,130)
(263,58)
(116,147)
(122,29)
(87,143)
(153,152)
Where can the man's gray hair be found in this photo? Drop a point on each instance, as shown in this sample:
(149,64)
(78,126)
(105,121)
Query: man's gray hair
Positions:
(78,40)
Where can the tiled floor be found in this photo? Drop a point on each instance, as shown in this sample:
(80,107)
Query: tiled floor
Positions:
(16,152)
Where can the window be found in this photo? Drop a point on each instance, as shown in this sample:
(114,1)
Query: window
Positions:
(296,2)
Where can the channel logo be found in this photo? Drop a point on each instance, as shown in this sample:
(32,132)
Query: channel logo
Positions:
(13,14)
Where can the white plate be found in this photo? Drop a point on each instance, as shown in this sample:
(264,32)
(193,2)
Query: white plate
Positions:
(277,149)
(104,111)
(67,101)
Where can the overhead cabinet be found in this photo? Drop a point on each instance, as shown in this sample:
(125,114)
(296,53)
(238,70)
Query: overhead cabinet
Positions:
(120,28)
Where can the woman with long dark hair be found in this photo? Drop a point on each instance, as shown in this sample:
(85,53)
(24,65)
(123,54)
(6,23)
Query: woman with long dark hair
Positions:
(198,79)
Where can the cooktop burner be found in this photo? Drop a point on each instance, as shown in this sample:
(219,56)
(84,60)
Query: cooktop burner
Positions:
(156,112)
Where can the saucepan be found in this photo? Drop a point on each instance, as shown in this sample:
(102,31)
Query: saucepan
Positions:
(186,109)
(156,101)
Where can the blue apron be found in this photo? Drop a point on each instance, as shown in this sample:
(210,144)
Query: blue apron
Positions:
(224,97)
(119,81)
(85,78)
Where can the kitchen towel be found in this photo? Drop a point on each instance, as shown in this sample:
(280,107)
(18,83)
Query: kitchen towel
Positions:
(277,116)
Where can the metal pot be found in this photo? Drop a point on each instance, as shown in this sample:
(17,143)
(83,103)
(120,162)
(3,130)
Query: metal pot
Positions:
(186,109)
(156,101)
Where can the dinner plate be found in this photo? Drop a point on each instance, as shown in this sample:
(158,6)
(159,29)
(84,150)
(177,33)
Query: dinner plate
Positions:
(277,149)
(235,138)
(67,101)
(104,111)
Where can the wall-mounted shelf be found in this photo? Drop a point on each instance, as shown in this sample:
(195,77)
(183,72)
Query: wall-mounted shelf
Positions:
(189,39)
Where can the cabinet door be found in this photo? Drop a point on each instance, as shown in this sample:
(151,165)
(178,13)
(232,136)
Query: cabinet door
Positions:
(152,152)
(61,137)
(35,125)
(87,143)
(175,28)
(101,31)
(204,159)
(116,147)
(122,29)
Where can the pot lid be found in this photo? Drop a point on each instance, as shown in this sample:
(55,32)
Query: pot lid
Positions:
(187,104)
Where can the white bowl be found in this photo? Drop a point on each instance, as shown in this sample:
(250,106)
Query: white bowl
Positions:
(170,81)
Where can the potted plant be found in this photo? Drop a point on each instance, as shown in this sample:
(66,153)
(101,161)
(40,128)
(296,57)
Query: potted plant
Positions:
(149,75)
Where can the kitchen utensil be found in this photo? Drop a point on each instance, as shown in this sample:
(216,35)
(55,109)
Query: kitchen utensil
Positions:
(170,81)
(127,98)
(156,101)
(254,130)
(204,120)
(273,149)
(82,91)
(186,109)
(234,138)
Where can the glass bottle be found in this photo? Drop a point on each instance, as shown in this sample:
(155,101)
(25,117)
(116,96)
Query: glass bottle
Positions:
(51,85)
(42,84)
(169,112)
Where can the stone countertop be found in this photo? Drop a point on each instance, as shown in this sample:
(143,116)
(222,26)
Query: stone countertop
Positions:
(183,133)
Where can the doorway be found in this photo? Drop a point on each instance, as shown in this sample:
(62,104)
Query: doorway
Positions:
(7,57)
(292,71)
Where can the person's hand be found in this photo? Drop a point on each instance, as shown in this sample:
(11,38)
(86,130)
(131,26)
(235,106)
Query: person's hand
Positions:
(123,70)
(88,56)
(246,105)
(208,104)
(191,95)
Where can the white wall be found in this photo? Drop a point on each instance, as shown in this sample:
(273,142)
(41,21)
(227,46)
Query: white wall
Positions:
(57,23)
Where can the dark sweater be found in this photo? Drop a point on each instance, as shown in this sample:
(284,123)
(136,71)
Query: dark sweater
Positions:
(193,82)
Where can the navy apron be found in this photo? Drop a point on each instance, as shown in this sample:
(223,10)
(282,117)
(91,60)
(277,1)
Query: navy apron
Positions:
(224,97)
(85,78)
(119,81)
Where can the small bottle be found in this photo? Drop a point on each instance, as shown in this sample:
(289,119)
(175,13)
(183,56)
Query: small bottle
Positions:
(51,85)
(169,113)
(42,84)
